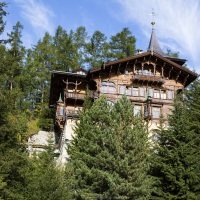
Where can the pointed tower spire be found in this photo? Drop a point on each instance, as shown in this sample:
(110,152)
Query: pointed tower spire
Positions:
(153,43)
(60,99)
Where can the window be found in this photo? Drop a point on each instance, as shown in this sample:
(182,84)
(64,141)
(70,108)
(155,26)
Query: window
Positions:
(128,91)
(122,89)
(170,94)
(137,110)
(156,94)
(139,71)
(146,111)
(156,112)
(135,91)
(163,94)
(150,92)
(61,110)
(108,87)
(142,92)
(145,72)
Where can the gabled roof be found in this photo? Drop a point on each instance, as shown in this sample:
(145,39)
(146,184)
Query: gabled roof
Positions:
(169,63)
(154,45)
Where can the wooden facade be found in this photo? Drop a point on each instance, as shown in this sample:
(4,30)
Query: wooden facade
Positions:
(150,81)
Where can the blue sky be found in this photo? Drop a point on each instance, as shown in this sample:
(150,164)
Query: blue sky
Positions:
(177,21)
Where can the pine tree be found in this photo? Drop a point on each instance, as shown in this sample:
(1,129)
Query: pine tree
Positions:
(46,180)
(175,157)
(109,153)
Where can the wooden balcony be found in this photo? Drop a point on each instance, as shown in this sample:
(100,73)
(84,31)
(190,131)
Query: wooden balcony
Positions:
(148,78)
(81,96)
(162,101)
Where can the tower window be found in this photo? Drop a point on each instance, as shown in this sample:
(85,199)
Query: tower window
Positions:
(156,112)
(170,94)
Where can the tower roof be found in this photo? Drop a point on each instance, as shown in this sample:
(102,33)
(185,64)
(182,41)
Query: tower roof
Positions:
(154,45)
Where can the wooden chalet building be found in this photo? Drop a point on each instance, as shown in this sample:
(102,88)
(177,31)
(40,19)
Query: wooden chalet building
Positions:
(151,81)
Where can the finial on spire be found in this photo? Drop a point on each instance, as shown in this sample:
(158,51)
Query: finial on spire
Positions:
(153,43)
(153,21)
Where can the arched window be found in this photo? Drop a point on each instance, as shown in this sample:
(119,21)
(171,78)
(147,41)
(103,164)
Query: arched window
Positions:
(108,87)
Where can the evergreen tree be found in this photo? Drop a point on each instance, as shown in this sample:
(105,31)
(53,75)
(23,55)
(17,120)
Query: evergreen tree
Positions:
(3,13)
(46,180)
(193,106)
(41,65)
(80,38)
(15,57)
(122,44)
(97,50)
(13,160)
(109,153)
(65,52)
(175,159)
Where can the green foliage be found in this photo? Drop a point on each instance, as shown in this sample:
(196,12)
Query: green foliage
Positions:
(46,119)
(3,13)
(113,164)
(172,54)
(175,158)
(46,180)
(122,44)
(96,49)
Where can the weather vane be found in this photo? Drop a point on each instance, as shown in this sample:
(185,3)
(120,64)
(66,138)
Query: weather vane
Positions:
(152,14)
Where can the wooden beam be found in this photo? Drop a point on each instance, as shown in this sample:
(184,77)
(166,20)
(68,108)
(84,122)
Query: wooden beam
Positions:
(110,71)
(162,69)
(185,79)
(170,72)
(126,67)
(149,58)
(177,76)
(118,69)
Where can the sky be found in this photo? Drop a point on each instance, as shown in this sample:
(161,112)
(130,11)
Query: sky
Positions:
(177,21)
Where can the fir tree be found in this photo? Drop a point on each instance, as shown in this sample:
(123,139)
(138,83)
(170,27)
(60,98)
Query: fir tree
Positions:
(175,158)
(193,107)
(109,153)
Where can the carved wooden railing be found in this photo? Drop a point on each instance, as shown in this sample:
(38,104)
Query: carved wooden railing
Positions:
(148,78)
(82,96)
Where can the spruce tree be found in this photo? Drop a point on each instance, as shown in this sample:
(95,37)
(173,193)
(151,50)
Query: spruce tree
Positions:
(109,153)
(175,157)
(193,107)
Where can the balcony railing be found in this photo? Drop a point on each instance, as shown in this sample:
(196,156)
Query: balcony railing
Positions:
(148,78)
(82,96)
